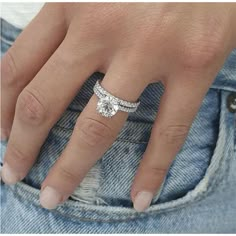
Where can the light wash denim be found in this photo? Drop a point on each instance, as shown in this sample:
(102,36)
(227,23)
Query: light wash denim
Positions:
(198,195)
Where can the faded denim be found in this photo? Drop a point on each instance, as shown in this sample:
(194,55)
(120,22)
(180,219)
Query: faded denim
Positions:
(198,195)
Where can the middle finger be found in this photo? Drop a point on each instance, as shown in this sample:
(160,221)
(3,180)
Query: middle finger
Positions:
(40,105)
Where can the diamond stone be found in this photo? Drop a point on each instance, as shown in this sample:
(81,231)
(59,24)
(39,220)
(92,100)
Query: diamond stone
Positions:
(107,106)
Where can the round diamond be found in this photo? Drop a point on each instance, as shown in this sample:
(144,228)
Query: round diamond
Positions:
(107,106)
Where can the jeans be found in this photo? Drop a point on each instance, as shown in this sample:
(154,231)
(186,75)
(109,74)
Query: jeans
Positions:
(197,196)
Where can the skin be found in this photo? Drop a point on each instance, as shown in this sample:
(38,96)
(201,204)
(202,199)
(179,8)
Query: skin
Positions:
(183,45)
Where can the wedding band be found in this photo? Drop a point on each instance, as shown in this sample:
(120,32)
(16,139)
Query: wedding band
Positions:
(108,104)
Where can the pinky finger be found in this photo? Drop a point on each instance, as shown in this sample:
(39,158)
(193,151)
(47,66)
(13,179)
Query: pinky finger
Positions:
(168,135)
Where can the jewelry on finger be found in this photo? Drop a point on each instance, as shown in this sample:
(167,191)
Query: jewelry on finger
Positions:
(108,104)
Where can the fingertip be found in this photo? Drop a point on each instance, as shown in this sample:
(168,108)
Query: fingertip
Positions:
(8,175)
(142,201)
(50,198)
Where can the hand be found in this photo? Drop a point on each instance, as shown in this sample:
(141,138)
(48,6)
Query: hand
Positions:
(181,44)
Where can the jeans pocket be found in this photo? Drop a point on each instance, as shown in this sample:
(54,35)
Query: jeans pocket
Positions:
(176,192)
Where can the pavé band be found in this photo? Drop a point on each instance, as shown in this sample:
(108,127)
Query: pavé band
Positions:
(108,104)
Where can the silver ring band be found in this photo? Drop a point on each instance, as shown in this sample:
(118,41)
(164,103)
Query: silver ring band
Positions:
(108,104)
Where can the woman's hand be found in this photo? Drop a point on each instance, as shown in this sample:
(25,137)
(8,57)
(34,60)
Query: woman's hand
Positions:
(181,44)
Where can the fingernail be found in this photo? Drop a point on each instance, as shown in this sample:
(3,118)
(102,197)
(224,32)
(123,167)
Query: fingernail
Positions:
(142,201)
(8,175)
(50,198)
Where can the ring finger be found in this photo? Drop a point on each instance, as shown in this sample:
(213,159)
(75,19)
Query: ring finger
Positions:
(92,136)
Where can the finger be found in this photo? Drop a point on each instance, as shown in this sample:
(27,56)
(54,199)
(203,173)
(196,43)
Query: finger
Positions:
(40,105)
(178,108)
(27,55)
(92,136)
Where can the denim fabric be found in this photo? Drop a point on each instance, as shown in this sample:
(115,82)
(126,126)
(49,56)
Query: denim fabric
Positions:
(199,192)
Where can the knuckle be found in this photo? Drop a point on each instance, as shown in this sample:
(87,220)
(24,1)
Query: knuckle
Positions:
(201,53)
(15,155)
(67,175)
(174,134)
(29,107)
(9,70)
(158,171)
(94,132)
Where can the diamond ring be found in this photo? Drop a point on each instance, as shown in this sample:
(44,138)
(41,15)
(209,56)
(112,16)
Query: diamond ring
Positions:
(108,104)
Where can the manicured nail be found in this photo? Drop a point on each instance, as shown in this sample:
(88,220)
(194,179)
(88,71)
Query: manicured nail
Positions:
(142,201)
(8,175)
(50,198)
